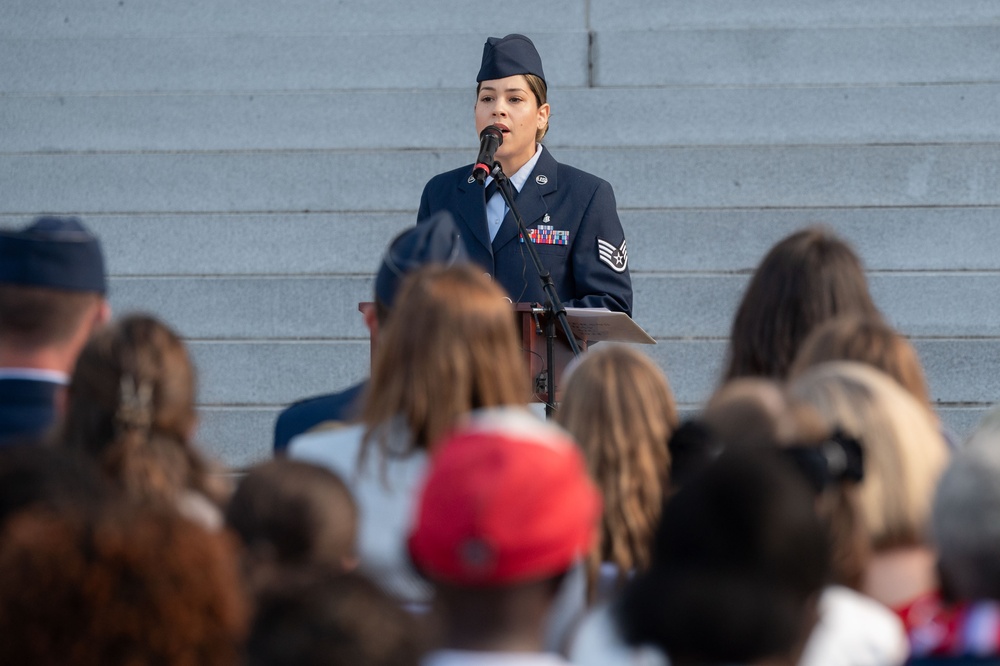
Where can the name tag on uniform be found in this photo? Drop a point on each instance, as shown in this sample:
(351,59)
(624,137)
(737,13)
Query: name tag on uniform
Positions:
(546,234)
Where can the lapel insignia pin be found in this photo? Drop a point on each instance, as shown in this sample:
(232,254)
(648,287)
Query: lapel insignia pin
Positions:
(545,220)
(541,179)
(472,179)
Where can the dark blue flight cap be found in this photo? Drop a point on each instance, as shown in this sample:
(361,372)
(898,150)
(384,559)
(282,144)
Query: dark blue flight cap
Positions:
(433,241)
(509,56)
(53,252)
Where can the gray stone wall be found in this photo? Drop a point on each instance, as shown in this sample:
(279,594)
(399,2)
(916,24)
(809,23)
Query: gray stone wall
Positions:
(245,162)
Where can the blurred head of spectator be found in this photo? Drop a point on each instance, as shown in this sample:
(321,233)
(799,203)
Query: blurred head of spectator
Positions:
(506,510)
(868,340)
(740,560)
(618,406)
(131,407)
(451,346)
(290,514)
(313,617)
(807,278)
(52,296)
(128,586)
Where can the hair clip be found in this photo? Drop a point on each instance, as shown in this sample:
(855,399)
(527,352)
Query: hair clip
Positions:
(135,404)
(838,458)
(845,458)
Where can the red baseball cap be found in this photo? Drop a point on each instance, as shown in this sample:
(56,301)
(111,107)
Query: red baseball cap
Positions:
(507,499)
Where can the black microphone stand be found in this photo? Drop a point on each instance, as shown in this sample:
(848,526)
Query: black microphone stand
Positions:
(554,308)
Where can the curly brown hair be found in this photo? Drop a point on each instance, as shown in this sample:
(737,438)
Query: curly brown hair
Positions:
(127,587)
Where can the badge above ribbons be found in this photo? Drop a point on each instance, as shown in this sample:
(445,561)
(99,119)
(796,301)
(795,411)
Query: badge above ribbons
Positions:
(616,258)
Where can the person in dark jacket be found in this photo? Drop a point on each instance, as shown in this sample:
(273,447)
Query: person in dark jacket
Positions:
(52,296)
(571,215)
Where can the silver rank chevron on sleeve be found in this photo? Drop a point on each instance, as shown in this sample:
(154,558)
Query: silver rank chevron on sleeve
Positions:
(616,258)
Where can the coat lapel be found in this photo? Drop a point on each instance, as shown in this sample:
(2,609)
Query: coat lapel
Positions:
(471,212)
(531,200)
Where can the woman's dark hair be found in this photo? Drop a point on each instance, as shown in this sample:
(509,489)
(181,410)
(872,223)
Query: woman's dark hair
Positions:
(57,480)
(740,557)
(807,278)
(311,617)
(292,513)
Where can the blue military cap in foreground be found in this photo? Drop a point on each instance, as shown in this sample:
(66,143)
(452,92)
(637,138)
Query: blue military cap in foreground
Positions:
(433,241)
(53,252)
(509,56)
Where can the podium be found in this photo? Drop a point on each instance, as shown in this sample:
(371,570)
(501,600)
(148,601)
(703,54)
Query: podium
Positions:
(589,325)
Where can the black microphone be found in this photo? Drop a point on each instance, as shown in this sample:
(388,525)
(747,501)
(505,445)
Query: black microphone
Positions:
(489,140)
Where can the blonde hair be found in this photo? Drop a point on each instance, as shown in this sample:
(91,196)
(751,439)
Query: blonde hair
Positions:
(905,452)
(619,407)
(450,346)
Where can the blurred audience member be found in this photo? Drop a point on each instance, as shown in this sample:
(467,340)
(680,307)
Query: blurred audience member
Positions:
(127,587)
(751,412)
(131,408)
(852,629)
(740,561)
(874,342)
(436,240)
(619,408)
(450,347)
(904,456)
(313,617)
(52,288)
(964,619)
(870,341)
(507,510)
(291,514)
(807,278)
(33,477)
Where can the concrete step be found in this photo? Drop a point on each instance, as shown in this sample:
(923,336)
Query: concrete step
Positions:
(887,239)
(252,63)
(241,436)
(795,56)
(278,373)
(249,308)
(919,304)
(236,437)
(711,177)
(665,14)
(113,18)
(666,305)
(243,385)
(662,241)
(582,117)
(275,373)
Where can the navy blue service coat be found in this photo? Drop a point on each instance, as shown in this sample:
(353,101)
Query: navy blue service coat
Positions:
(306,414)
(591,270)
(27,409)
